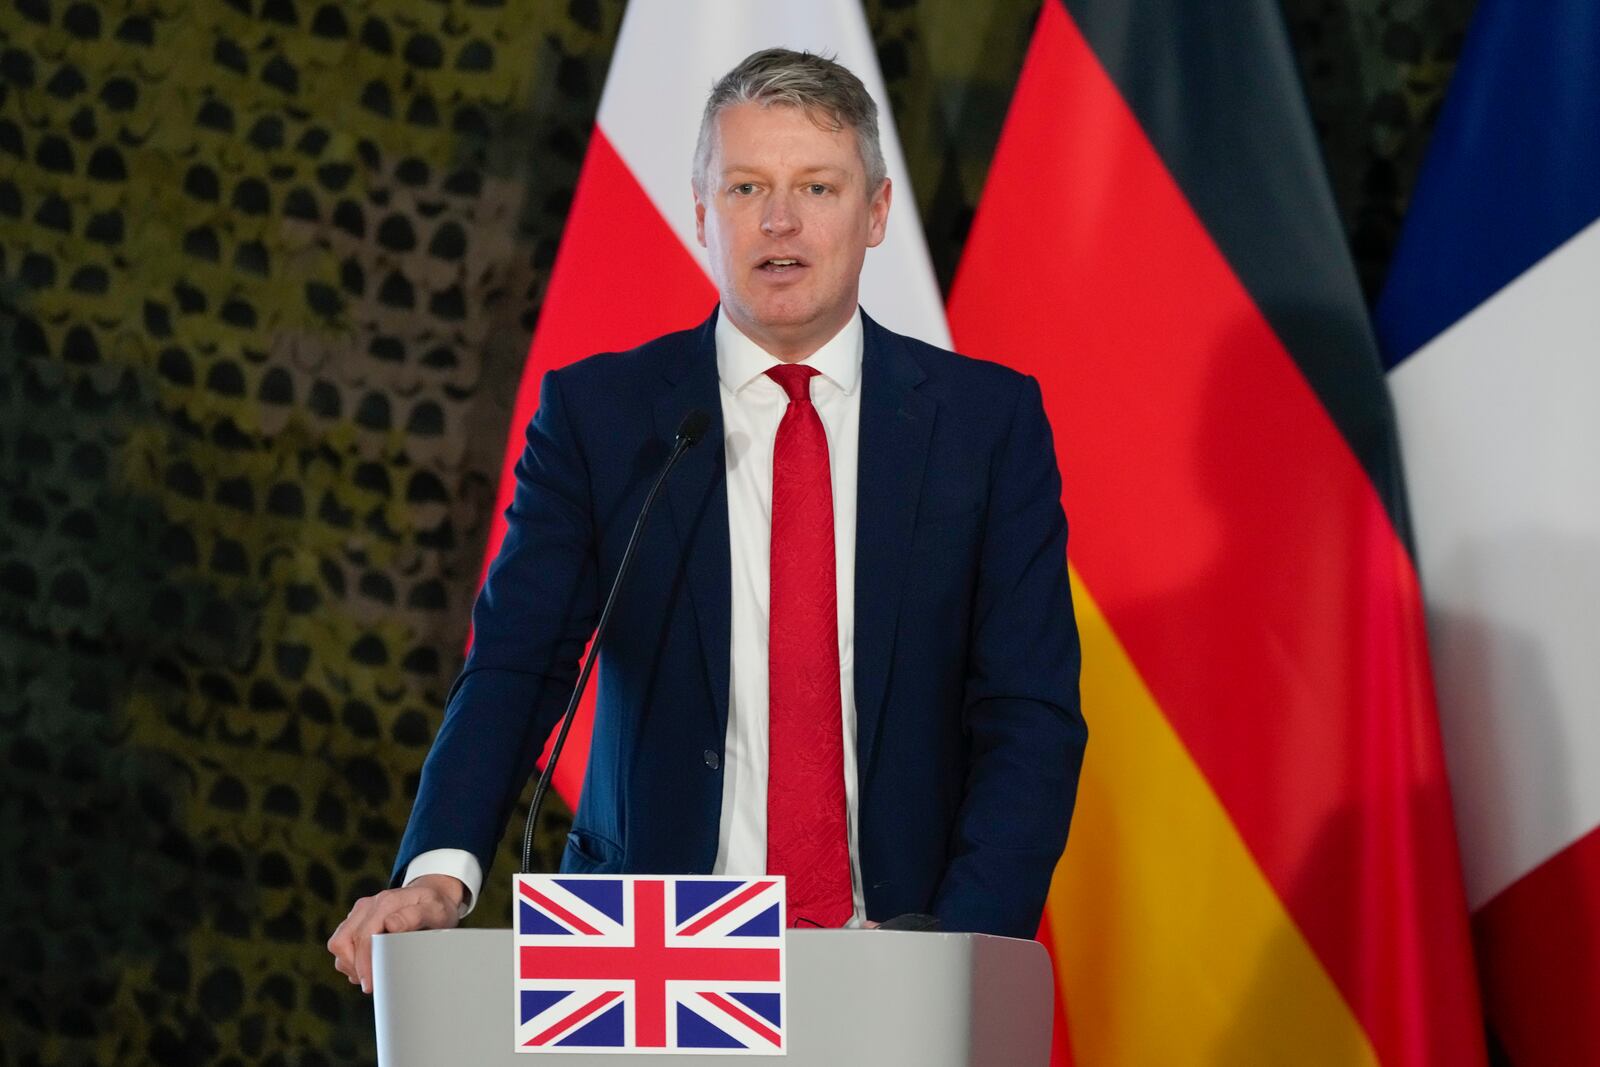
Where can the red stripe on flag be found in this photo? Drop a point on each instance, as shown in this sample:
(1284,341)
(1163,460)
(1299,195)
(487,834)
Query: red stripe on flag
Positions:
(1233,541)
(576,1017)
(555,909)
(1539,951)
(722,909)
(621,277)
(653,960)
(745,1017)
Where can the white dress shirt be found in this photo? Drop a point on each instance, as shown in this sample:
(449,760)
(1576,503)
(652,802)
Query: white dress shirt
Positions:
(752,406)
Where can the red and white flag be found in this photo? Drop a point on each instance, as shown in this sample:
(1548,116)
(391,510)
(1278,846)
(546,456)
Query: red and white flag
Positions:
(629,267)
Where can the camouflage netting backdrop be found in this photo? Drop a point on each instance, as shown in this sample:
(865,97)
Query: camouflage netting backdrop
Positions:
(268,269)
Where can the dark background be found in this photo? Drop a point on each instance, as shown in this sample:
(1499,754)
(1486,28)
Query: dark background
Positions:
(268,270)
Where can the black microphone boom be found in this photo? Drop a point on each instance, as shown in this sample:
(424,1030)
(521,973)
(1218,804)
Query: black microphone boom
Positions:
(690,430)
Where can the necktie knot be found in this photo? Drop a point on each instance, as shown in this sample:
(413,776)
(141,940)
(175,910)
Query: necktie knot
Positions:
(795,378)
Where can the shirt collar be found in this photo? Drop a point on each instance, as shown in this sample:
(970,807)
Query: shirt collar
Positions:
(741,361)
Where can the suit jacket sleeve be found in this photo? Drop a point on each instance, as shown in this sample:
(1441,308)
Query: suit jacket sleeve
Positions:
(533,616)
(1025,729)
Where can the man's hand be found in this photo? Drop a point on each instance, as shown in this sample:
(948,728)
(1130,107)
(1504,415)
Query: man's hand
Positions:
(432,902)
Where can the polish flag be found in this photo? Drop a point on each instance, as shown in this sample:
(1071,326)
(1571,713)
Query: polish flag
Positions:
(629,267)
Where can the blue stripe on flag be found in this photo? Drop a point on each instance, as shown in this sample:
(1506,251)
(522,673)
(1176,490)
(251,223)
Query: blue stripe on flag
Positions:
(606,1031)
(602,894)
(695,897)
(767,1005)
(1513,170)
(695,1032)
(763,925)
(531,920)
(536,1000)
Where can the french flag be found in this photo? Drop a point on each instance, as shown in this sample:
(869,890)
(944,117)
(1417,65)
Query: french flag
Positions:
(1490,321)
(629,267)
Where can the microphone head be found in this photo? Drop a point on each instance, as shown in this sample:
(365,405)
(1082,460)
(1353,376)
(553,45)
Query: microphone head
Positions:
(693,427)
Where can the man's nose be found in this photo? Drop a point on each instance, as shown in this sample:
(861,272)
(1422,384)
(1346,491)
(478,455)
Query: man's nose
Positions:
(779,219)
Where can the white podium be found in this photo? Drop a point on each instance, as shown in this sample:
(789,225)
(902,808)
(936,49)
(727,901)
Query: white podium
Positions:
(874,998)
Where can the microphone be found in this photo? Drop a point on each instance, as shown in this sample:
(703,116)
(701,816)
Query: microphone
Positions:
(690,431)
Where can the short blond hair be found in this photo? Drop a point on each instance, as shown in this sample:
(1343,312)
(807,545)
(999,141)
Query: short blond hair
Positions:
(825,90)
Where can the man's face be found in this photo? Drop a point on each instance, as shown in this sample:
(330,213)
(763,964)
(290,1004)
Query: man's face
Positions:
(787,221)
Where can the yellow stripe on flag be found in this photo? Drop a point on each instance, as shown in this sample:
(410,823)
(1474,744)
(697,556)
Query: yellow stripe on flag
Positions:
(1171,946)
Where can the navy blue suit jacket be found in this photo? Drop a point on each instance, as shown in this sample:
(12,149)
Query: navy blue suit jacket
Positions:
(966,653)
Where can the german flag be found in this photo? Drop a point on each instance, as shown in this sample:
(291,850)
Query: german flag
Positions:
(1263,865)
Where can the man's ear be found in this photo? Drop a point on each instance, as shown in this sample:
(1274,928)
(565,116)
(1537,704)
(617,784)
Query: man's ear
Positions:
(878,214)
(699,213)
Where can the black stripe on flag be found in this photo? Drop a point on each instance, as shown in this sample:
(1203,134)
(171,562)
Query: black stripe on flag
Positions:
(1216,90)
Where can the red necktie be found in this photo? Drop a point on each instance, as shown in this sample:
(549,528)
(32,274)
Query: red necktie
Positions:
(806,832)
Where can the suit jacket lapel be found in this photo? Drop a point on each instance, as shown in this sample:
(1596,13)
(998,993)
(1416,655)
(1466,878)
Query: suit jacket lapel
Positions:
(896,424)
(697,492)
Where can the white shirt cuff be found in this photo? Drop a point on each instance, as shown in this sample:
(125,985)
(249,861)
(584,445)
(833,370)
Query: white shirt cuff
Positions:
(457,863)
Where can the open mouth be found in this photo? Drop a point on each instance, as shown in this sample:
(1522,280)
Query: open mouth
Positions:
(779,265)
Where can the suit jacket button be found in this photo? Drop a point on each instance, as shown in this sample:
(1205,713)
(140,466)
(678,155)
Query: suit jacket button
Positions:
(711,759)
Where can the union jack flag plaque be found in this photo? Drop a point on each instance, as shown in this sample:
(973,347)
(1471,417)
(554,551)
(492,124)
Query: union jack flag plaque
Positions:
(608,963)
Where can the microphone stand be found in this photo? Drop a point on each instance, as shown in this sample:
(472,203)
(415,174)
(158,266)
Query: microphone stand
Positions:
(690,430)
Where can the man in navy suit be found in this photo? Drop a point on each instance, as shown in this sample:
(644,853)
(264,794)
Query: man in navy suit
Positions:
(846,650)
